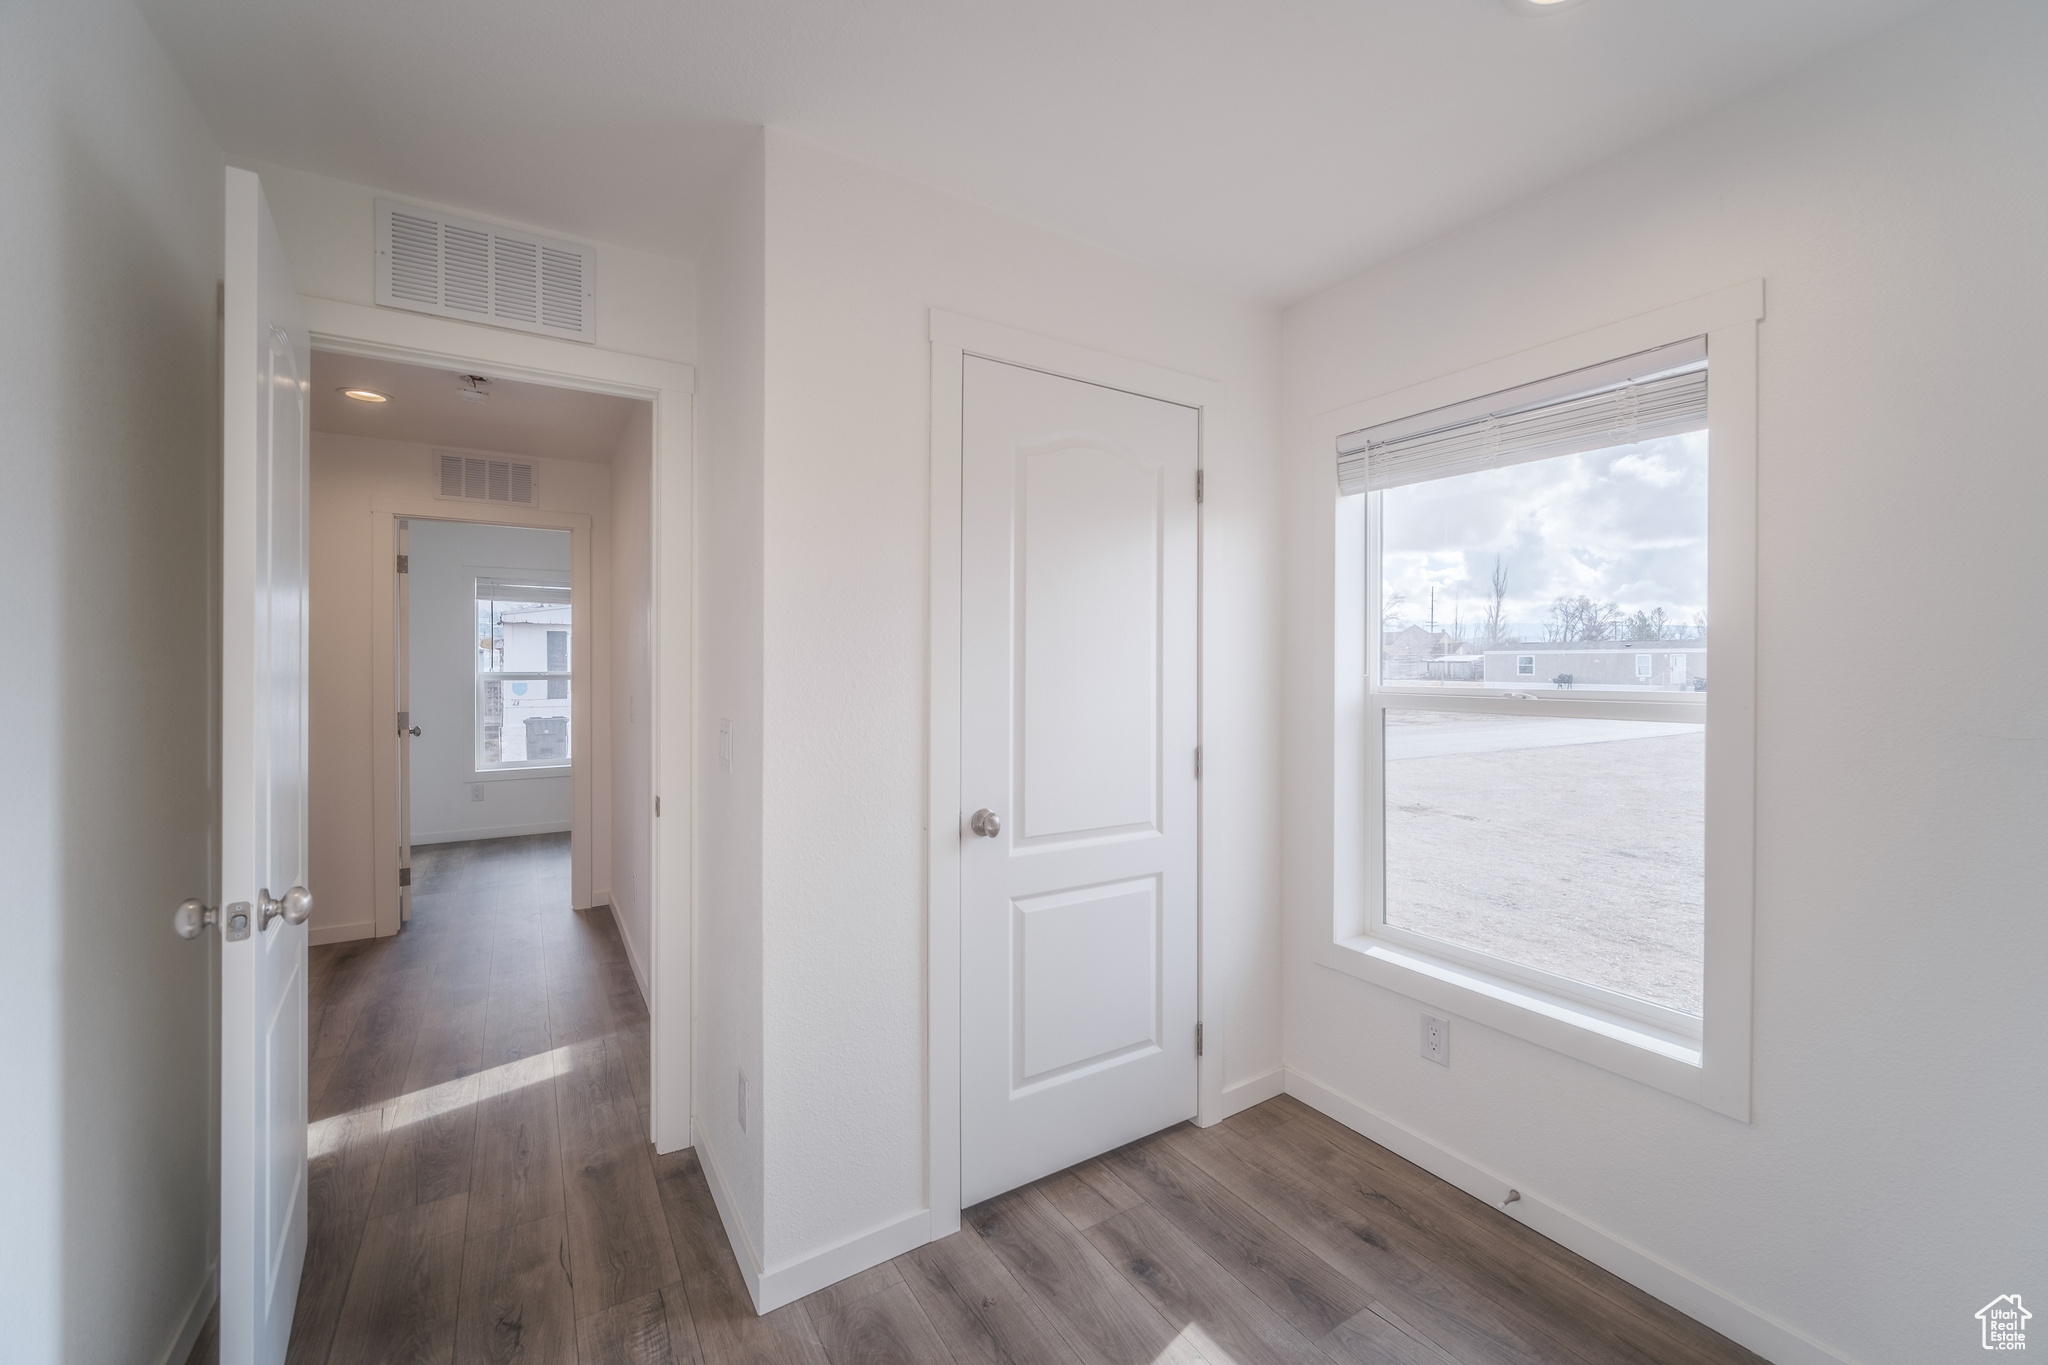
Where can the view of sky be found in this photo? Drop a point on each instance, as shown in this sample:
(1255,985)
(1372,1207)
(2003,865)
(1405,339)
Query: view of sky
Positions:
(1626,525)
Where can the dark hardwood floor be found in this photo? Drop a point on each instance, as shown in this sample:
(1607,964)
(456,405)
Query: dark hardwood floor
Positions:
(483,1191)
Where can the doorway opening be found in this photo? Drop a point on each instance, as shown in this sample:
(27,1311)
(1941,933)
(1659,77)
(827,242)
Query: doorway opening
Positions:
(487,726)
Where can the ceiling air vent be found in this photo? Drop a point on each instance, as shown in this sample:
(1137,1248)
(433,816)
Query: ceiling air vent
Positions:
(478,478)
(433,263)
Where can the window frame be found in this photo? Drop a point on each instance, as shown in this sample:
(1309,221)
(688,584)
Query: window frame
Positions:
(1705,1059)
(530,767)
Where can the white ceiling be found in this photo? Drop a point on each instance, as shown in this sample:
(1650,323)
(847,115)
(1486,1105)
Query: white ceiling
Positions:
(427,407)
(1267,146)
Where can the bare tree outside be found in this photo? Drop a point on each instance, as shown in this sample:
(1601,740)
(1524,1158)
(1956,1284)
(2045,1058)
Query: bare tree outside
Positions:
(1496,609)
(1653,625)
(1581,618)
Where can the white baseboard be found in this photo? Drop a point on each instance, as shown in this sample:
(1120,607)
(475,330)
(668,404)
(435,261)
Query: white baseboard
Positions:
(632,953)
(463,836)
(1770,1337)
(342,933)
(1242,1096)
(728,1214)
(180,1349)
(791,1280)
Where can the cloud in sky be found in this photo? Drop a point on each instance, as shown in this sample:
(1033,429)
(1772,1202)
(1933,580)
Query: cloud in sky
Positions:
(1626,525)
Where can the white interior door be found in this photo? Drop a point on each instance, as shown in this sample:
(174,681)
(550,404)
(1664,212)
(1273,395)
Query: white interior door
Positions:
(266,363)
(1078,733)
(408,728)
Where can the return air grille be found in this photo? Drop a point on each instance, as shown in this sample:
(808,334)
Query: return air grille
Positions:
(432,263)
(478,478)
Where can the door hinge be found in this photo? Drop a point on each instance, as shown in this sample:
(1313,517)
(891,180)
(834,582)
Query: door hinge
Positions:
(657,808)
(1198,1037)
(1198,763)
(405,876)
(405,563)
(404,721)
(1198,484)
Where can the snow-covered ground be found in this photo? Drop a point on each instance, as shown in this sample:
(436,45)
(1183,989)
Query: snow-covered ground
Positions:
(1575,846)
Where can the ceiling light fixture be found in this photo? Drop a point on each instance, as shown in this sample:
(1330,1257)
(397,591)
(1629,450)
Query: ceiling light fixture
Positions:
(1541,6)
(365,395)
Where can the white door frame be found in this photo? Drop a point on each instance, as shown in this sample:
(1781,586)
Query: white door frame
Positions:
(953,338)
(440,343)
(387,657)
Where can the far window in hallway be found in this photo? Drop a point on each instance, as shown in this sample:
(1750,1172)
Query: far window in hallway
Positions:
(523,674)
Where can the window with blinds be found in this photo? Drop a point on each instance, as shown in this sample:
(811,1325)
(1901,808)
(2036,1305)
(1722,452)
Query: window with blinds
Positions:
(1662,392)
(1537,581)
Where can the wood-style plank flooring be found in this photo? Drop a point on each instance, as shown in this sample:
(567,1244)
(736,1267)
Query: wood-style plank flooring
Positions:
(483,1191)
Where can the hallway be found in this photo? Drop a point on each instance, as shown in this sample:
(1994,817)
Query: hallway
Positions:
(483,1191)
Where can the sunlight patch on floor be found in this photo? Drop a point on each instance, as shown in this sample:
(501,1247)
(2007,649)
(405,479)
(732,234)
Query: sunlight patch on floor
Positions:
(330,1134)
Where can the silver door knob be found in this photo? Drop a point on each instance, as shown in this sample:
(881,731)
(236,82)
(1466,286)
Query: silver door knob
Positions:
(192,917)
(414,731)
(296,907)
(986,823)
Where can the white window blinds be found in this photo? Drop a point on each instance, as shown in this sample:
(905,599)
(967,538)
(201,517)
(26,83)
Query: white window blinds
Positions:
(1636,398)
(511,590)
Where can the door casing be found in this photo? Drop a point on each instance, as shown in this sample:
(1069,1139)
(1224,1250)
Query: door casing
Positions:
(953,338)
(440,343)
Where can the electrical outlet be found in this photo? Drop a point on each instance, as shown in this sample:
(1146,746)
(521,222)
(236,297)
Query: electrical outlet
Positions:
(1436,1040)
(476,791)
(743,1101)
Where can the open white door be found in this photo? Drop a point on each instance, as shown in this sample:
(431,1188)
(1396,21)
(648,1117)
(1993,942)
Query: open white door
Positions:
(266,363)
(408,731)
(1077,771)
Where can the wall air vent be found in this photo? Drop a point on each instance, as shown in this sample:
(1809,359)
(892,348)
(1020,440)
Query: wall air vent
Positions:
(479,478)
(431,262)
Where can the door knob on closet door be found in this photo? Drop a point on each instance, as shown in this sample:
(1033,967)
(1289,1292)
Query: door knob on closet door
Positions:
(192,918)
(986,823)
(414,731)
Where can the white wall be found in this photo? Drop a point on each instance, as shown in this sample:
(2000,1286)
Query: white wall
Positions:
(348,472)
(855,261)
(730,413)
(110,234)
(646,305)
(629,801)
(1895,202)
(446,559)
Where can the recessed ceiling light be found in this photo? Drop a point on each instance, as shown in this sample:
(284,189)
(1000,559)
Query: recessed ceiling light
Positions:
(365,395)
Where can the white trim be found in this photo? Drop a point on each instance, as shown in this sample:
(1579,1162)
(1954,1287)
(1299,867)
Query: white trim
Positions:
(953,338)
(1630,1042)
(463,836)
(342,933)
(385,510)
(729,1214)
(194,1321)
(632,953)
(418,339)
(791,1280)
(1260,1088)
(1747,1325)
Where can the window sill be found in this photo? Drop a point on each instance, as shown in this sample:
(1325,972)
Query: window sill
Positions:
(1628,1047)
(518,774)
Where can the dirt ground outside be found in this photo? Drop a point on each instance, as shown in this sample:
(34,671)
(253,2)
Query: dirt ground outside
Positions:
(1565,845)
